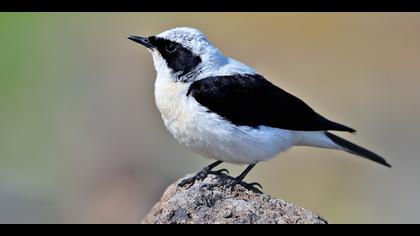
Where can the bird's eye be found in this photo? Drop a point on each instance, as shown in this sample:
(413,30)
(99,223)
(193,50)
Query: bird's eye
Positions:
(171,48)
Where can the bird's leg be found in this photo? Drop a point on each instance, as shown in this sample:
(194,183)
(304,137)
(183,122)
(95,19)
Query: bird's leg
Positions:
(241,177)
(202,174)
(238,180)
(217,172)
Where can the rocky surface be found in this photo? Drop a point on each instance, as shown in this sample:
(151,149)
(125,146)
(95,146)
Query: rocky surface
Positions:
(209,202)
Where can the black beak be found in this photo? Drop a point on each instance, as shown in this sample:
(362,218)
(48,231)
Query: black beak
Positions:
(141,40)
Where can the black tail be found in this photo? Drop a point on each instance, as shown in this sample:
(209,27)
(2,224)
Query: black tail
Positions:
(331,125)
(357,150)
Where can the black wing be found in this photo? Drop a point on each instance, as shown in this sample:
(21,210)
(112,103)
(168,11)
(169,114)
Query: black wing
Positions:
(250,100)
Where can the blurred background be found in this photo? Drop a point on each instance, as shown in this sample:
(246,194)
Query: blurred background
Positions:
(81,140)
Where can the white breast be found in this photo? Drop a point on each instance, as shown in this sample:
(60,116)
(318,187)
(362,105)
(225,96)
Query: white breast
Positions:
(212,136)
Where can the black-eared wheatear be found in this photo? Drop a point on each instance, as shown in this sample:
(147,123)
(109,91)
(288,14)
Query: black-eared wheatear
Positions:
(224,110)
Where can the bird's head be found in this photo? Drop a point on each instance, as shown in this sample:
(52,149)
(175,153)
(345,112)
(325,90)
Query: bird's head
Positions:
(182,53)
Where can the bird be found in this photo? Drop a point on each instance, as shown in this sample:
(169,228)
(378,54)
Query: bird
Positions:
(225,110)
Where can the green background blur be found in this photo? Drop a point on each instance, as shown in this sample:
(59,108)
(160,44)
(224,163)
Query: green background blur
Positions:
(81,140)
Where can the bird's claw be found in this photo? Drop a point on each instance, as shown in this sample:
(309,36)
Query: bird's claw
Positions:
(218,172)
(202,174)
(255,187)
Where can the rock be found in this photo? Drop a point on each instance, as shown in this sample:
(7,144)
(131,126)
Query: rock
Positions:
(210,202)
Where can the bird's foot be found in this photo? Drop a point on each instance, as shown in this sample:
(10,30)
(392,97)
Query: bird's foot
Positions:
(255,187)
(202,174)
(219,172)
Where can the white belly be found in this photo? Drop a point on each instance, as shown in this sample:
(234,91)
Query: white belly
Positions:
(212,136)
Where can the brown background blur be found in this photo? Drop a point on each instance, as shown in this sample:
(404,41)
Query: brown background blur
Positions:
(81,140)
